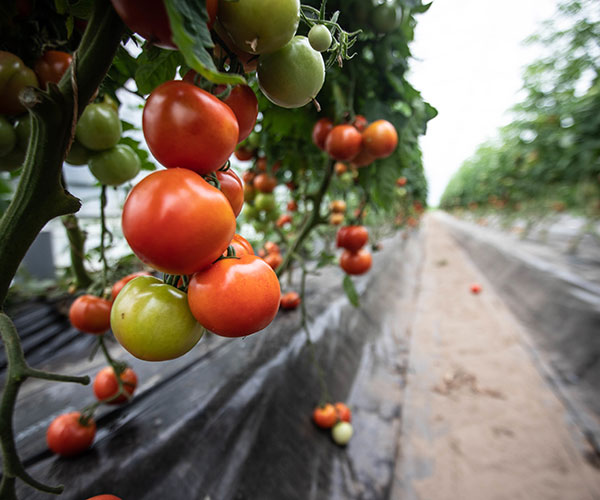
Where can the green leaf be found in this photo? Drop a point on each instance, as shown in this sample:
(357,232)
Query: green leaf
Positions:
(155,66)
(188,23)
(351,291)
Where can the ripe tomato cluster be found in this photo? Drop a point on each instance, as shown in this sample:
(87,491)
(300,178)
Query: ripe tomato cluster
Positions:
(336,417)
(354,259)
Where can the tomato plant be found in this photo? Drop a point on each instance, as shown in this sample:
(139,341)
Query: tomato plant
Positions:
(185,126)
(260,26)
(196,219)
(115,166)
(99,127)
(152,320)
(70,434)
(325,416)
(292,76)
(246,285)
(106,385)
(90,314)
(14,77)
(356,262)
(51,66)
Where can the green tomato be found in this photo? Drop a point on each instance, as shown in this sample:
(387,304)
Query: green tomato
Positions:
(265,202)
(250,212)
(99,127)
(319,38)
(14,77)
(13,160)
(342,432)
(78,154)
(260,26)
(292,76)
(384,18)
(23,130)
(8,137)
(115,166)
(152,320)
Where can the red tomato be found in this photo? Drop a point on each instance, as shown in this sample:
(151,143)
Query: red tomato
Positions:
(149,19)
(274,260)
(243,153)
(104,497)
(244,104)
(176,222)
(401,181)
(211,9)
(290,300)
(106,385)
(261,164)
(380,139)
(69,435)
(475,288)
(338,206)
(272,247)
(265,183)
(325,416)
(352,238)
(360,122)
(321,131)
(283,220)
(246,285)
(363,159)
(241,245)
(186,127)
(356,262)
(90,314)
(340,168)
(292,206)
(52,66)
(343,412)
(233,189)
(118,286)
(343,143)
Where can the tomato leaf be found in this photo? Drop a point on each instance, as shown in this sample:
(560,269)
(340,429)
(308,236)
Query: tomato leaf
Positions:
(155,66)
(350,290)
(188,23)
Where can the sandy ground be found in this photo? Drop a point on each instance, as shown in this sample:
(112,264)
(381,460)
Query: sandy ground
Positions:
(480,422)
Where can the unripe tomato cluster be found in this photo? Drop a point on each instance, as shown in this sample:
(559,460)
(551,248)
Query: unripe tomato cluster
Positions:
(336,417)
(359,143)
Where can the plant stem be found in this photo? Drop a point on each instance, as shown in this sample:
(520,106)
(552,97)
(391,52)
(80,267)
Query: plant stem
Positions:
(77,248)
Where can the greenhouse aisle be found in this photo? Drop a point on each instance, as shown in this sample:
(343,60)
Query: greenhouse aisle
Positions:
(479,421)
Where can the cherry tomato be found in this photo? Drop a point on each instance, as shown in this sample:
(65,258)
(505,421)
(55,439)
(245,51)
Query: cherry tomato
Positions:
(243,153)
(283,220)
(272,247)
(104,497)
(321,131)
(292,206)
(340,168)
(360,123)
(176,222)
(106,385)
(244,104)
(265,183)
(99,127)
(274,260)
(246,285)
(363,159)
(14,77)
(186,127)
(8,137)
(401,181)
(233,189)
(384,18)
(356,262)
(115,166)
(52,66)
(292,76)
(241,245)
(343,143)
(319,37)
(90,314)
(118,286)
(260,26)
(152,320)
(69,434)
(343,412)
(336,219)
(475,288)
(149,19)
(78,154)
(290,300)
(342,433)
(380,139)
(352,238)
(325,416)
(265,202)
(338,206)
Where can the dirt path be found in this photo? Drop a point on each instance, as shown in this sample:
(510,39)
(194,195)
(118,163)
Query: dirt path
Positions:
(480,423)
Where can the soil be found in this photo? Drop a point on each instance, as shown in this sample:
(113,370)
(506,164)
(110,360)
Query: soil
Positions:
(479,421)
